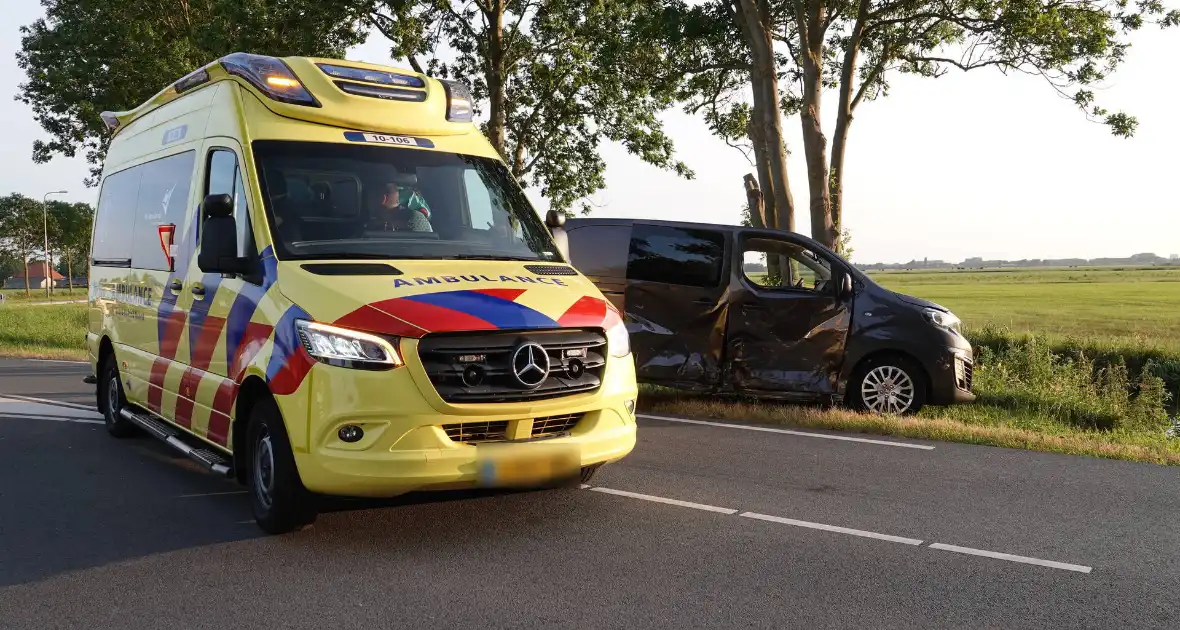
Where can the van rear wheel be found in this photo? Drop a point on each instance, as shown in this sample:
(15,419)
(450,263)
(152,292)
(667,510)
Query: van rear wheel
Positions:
(277,497)
(888,385)
(112,400)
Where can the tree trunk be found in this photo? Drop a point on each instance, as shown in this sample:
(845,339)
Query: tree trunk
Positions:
(844,120)
(815,144)
(754,200)
(70,272)
(27,292)
(766,112)
(495,78)
(762,163)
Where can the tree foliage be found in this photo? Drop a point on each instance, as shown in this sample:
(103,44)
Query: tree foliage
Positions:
(856,46)
(556,78)
(21,230)
(88,56)
(69,236)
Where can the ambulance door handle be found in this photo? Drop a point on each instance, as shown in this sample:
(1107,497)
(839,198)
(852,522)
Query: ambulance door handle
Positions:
(198,290)
(175,286)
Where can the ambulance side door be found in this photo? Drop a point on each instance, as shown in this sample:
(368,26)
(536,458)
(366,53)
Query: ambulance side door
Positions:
(206,389)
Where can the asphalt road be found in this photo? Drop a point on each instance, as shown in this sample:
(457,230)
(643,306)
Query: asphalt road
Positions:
(702,526)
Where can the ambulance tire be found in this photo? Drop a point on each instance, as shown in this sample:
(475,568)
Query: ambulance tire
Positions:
(277,497)
(112,400)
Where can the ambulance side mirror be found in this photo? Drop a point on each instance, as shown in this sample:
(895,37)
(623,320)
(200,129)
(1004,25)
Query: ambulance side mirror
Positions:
(555,221)
(219,237)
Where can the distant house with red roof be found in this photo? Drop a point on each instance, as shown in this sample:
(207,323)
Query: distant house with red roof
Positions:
(36,277)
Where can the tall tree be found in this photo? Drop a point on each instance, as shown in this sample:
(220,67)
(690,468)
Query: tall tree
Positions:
(21,229)
(86,57)
(723,51)
(854,46)
(70,235)
(556,78)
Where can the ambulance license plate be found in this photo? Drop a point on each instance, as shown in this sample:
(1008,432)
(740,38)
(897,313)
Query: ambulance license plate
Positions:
(518,467)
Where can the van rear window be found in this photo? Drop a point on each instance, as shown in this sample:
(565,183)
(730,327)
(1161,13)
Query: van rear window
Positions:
(675,255)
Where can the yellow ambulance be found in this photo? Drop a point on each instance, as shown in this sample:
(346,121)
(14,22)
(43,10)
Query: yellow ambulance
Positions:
(318,277)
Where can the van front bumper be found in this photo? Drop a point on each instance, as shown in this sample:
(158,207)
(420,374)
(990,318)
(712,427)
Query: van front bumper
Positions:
(406,446)
(952,376)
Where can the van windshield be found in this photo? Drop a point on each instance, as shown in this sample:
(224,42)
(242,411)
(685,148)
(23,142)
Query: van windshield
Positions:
(342,201)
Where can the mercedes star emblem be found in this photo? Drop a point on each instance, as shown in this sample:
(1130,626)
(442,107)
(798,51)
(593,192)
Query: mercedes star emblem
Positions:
(530,364)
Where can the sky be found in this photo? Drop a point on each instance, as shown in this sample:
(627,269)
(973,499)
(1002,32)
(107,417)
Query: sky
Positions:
(977,164)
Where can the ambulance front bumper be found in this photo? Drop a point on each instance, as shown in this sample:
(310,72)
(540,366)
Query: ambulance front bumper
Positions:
(412,440)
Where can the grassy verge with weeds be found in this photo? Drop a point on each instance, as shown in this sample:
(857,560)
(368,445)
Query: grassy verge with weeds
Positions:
(1130,447)
(48,332)
(1031,395)
(17,296)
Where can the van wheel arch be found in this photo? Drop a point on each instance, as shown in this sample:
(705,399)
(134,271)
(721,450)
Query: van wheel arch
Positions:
(851,389)
(250,393)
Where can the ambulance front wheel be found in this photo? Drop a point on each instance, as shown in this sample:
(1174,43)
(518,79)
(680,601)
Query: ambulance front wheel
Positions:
(111,399)
(280,502)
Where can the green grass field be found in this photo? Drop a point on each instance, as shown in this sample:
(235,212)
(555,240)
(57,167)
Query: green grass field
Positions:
(1133,307)
(17,296)
(54,331)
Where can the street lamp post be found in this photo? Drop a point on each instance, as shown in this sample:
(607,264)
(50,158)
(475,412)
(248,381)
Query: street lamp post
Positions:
(45,216)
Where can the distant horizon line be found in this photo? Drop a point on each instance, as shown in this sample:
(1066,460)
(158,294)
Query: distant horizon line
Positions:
(1147,258)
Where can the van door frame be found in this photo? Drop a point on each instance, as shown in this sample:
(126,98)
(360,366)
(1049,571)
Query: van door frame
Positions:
(839,326)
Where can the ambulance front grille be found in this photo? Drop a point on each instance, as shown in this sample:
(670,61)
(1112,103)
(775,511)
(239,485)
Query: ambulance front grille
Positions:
(477,367)
(486,431)
(555,425)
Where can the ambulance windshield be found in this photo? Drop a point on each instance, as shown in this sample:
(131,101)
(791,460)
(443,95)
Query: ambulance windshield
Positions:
(358,201)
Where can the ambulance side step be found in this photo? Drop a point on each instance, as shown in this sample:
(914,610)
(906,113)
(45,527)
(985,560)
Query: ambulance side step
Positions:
(213,461)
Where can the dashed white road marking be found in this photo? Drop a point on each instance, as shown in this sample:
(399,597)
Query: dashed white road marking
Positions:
(913,542)
(14,416)
(654,499)
(1065,566)
(211,494)
(831,528)
(744,427)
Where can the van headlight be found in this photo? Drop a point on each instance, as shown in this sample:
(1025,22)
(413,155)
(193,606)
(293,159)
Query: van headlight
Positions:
(347,348)
(618,341)
(945,320)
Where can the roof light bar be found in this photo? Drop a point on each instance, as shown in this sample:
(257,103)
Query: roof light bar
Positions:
(110,120)
(458,101)
(191,80)
(392,94)
(372,76)
(270,76)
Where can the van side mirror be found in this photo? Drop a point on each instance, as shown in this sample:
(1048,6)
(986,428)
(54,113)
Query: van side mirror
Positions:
(555,221)
(845,288)
(219,237)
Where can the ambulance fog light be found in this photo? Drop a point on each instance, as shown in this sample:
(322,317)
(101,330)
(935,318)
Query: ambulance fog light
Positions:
(350,433)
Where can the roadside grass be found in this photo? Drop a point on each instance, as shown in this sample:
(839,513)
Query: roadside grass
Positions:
(1030,396)
(50,332)
(927,426)
(17,296)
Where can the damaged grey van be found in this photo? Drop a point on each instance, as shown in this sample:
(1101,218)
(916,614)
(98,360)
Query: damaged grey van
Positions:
(728,309)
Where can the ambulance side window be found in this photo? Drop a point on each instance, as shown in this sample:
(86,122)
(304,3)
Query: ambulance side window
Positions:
(162,199)
(225,178)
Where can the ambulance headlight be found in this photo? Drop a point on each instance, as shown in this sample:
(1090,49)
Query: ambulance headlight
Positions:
(618,341)
(347,348)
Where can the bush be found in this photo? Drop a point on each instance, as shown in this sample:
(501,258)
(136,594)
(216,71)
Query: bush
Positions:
(1074,384)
